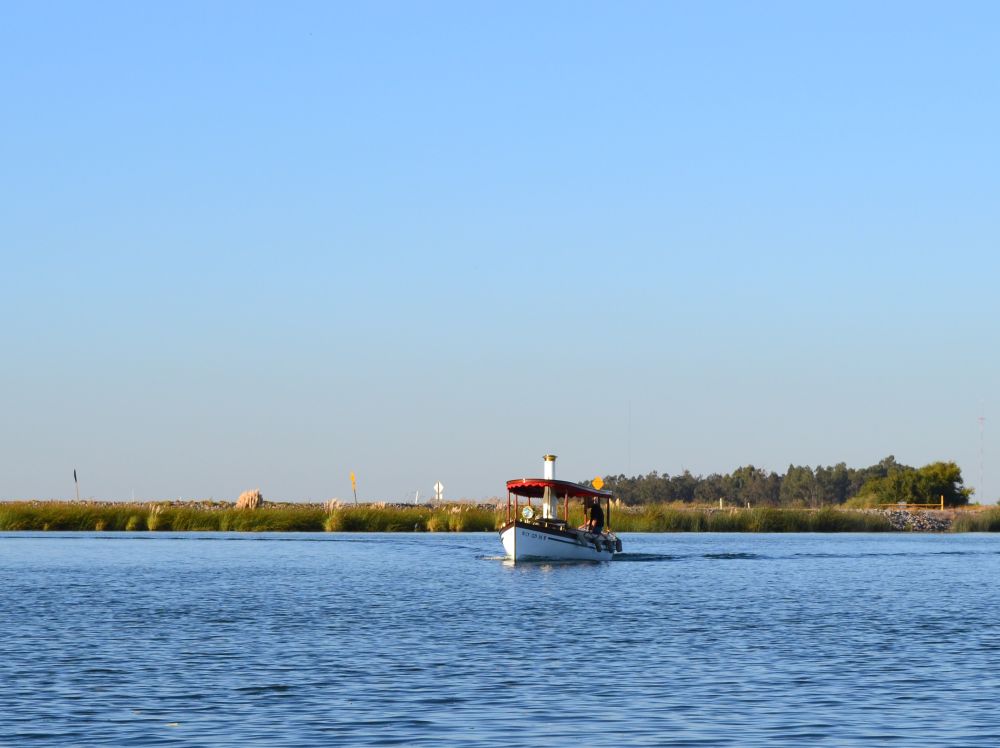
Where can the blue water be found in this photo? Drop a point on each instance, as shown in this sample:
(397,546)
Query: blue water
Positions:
(686,640)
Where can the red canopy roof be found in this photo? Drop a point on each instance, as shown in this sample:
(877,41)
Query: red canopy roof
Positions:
(535,487)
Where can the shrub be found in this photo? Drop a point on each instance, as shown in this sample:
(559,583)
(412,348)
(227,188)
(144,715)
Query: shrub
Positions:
(250,500)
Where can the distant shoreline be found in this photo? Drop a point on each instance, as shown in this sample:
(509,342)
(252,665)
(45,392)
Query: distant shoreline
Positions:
(203,516)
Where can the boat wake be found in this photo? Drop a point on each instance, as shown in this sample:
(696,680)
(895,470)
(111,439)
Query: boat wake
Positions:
(733,556)
(643,557)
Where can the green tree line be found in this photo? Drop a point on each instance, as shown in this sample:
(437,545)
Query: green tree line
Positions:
(886,482)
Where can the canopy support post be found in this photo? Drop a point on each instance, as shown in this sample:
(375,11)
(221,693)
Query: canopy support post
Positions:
(513,527)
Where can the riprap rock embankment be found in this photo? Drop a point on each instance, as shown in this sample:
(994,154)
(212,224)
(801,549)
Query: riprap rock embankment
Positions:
(900,519)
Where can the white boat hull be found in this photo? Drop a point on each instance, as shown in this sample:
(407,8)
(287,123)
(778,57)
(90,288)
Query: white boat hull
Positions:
(535,542)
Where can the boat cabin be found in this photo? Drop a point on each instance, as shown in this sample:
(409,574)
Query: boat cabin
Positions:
(555,496)
(542,533)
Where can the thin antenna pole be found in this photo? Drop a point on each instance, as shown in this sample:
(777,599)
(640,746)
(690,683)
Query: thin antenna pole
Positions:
(630,438)
(982,428)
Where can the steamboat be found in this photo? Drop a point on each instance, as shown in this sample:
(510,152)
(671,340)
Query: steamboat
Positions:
(533,532)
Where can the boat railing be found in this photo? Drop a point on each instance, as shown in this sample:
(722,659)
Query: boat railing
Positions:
(551,522)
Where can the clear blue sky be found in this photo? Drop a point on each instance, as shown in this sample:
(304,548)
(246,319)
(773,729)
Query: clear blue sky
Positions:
(263,245)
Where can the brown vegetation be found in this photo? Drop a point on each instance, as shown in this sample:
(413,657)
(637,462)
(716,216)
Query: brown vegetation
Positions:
(250,500)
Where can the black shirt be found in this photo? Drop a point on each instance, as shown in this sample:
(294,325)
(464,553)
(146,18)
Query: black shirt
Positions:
(597,515)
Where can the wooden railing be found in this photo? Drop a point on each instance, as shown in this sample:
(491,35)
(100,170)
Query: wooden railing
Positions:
(903,505)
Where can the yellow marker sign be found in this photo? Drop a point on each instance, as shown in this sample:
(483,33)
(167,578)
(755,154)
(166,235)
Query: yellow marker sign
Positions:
(598,483)
(354,481)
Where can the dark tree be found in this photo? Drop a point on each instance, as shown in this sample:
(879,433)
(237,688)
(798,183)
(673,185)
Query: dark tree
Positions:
(886,482)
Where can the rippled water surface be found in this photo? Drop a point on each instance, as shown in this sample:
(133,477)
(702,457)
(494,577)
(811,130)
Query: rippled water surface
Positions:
(686,640)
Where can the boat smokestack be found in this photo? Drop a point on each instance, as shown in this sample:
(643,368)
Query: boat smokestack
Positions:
(550,467)
(549,498)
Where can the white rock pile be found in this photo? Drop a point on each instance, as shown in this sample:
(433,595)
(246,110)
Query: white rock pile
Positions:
(900,519)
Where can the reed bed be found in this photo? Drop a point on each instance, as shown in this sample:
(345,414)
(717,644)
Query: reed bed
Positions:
(52,515)
(687,518)
(284,518)
(455,518)
(164,517)
(672,518)
(987,520)
(274,517)
(222,517)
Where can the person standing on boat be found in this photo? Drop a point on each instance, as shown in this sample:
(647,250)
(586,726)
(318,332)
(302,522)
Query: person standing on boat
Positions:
(595,523)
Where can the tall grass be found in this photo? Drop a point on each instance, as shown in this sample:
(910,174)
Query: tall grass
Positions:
(987,520)
(672,518)
(204,516)
(680,517)
(46,515)
(284,518)
(67,515)
(415,519)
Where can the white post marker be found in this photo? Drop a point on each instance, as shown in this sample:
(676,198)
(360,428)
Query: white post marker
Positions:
(438,491)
